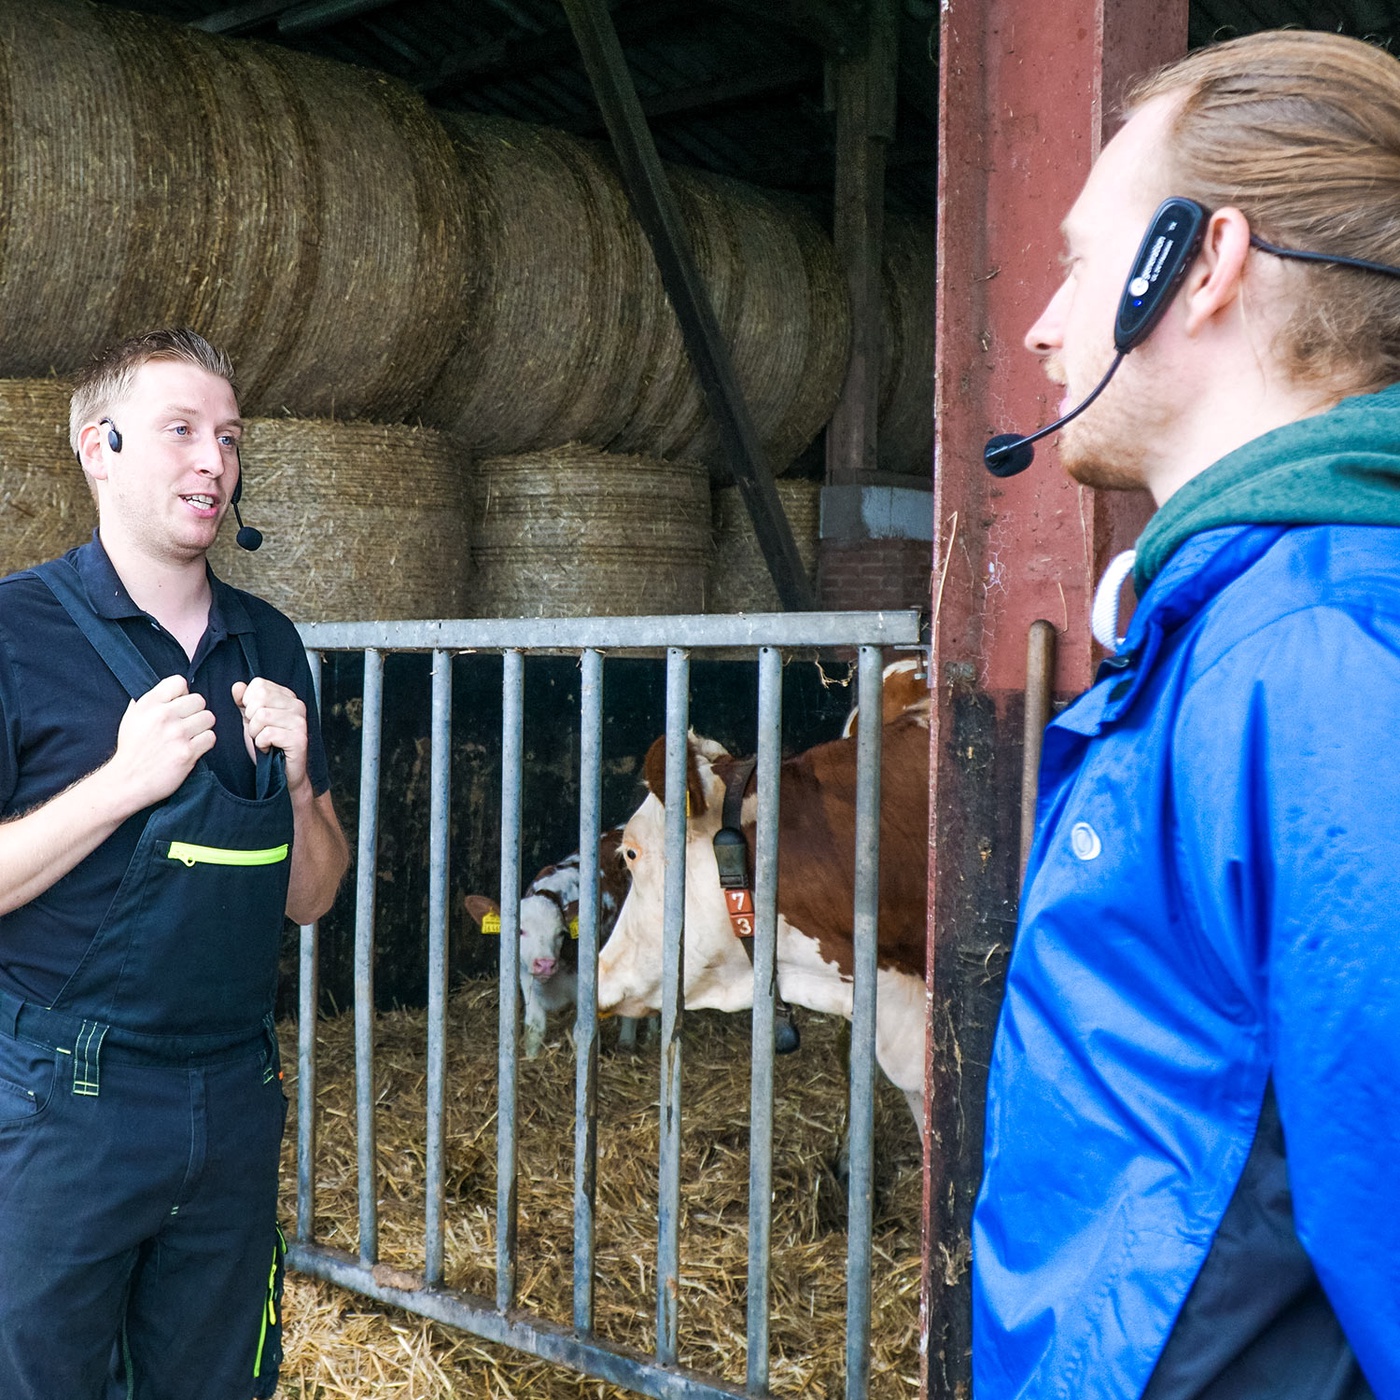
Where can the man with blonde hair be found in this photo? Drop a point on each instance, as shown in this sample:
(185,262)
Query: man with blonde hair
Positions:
(164,805)
(1192,1185)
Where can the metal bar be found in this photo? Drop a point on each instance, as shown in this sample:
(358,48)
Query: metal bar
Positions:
(307,19)
(541,1338)
(308,1009)
(668,1209)
(438,831)
(240,17)
(653,202)
(861,1201)
(364,951)
(512,756)
(572,634)
(586,1022)
(1040,686)
(770,755)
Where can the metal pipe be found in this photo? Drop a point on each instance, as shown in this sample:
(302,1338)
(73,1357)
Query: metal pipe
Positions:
(861,1199)
(438,829)
(672,1013)
(512,757)
(586,1022)
(535,1337)
(1040,690)
(308,1009)
(367,853)
(572,634)
(770,754)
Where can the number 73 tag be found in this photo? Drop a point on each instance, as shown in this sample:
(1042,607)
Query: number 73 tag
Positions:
(740,906)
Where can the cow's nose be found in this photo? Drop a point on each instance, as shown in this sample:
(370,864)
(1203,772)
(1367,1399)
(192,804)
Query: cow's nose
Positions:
(543,967)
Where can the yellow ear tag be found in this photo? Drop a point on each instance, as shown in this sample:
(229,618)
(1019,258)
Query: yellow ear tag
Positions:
(491,923)
(573,928)
(687,802)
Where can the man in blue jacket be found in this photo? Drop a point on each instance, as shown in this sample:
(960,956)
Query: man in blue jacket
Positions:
(1192,1179)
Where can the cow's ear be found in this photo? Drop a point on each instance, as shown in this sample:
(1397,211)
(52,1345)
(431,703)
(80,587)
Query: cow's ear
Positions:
(654,771)
(478,906)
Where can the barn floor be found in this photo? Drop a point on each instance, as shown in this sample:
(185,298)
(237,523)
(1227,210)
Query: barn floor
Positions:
(340,1346)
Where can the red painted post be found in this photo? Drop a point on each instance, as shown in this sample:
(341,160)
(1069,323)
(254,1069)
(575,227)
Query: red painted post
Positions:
(1027,91)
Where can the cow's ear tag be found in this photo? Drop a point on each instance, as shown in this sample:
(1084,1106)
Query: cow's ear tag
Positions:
(732,858)
(490,923)
(573,928)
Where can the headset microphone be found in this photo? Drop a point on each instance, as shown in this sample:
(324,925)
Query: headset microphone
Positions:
(247,537)
(1168,249)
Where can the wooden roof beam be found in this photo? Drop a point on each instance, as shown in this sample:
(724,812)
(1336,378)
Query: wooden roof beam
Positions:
(654,203)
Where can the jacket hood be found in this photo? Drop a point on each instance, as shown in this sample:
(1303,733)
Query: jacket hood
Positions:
(1341,467)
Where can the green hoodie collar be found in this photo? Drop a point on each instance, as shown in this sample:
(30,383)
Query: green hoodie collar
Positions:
(1341,467)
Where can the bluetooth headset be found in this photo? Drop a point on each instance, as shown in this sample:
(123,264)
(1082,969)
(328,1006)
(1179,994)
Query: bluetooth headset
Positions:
(1168,249)
(247,537)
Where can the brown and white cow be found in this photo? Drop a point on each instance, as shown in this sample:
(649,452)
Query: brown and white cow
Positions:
(816,880)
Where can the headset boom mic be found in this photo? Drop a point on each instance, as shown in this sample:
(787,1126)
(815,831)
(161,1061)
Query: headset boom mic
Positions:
(1167,250)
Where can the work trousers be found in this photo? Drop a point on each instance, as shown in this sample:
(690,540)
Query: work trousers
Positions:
(136,1223)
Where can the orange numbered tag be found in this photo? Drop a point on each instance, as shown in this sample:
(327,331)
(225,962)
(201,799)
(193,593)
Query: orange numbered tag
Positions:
(740,906)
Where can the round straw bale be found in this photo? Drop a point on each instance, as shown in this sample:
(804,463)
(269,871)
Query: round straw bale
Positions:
(739,578)
(562,309)
(569,335)
(905,442)
(573,533)
(304,214)
(360,521)
(45,506)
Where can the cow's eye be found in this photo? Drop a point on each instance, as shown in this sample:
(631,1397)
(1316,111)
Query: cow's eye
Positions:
(631,854)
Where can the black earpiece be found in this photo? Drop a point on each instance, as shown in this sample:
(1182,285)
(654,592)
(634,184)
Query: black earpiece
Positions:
(114,438)
(247,537)
(1168,249)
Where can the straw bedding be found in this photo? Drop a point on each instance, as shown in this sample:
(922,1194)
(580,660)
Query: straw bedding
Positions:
(360,521)
(568,333)
(340,1346)
(304,214)
(739,578)
(573,532)
(45,507)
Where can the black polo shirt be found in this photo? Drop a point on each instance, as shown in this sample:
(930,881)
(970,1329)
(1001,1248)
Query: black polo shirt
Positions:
(60,708)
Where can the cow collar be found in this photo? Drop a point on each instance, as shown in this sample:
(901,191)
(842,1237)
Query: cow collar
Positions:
(732,859)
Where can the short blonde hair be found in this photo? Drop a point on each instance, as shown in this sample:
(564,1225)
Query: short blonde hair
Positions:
(1300,130)
(107,380)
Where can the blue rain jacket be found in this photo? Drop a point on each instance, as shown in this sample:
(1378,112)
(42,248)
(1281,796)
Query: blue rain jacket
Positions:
(1212,904)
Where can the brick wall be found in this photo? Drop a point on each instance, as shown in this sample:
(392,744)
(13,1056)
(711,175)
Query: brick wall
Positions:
(858,574)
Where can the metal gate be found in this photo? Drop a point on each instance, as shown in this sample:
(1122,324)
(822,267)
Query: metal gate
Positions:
(765,636)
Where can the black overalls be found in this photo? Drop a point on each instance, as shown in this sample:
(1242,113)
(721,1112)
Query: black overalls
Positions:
(141,1114)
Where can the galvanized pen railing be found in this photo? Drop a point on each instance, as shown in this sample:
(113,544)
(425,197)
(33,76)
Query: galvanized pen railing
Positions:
(765,636)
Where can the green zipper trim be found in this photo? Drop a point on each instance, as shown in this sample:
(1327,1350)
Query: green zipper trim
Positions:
(217,855)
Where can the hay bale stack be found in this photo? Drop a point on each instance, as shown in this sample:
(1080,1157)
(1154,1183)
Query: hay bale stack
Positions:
(568,333)
(45,506)
(573,533)
(360,521)
(304,214)
(905,441)
(739,578)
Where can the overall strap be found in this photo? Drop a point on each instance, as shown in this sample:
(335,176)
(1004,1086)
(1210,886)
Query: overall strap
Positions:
(107,638)
(272,763)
